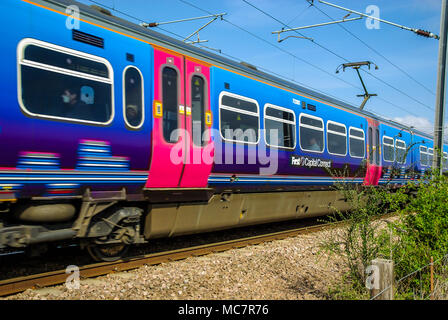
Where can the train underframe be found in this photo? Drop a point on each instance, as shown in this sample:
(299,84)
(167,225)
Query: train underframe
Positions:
(108,226)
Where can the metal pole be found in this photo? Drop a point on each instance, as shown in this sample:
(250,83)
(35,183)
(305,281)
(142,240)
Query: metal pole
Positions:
(197,31)
(155,24)
(317,25)
(440,98)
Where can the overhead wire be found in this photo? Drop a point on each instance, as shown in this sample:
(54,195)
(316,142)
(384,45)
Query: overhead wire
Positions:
(264,40)
(301,13)
(275,46)
(336,54)
(376,51)
(225,54)
(299,58)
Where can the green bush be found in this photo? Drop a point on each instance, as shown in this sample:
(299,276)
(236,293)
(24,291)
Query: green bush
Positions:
(422,232)
(359,242)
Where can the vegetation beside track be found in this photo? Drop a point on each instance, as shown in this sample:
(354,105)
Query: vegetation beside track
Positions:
(419,233)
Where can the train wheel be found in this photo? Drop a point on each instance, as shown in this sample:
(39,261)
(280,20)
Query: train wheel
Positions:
(107,252)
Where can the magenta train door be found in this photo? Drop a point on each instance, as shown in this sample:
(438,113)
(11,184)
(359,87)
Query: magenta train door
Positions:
(172,164)
(373,173)
(200,147)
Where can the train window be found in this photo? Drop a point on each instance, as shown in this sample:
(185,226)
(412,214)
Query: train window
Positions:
(64,84)
(280,127)
(377,147)
(423,156)
(170,102)
(65,61)
(133,97)
(356,143)
(336,138)
(400,151)
(198,109)
(372,147)
(311,133)
(239,118)
(430,156)
(388,149)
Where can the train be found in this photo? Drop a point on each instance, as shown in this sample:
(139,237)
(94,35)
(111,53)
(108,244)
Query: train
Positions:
(113,134)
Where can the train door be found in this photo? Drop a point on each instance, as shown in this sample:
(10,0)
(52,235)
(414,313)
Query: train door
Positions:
(373,173)
(198,116)
(181,88)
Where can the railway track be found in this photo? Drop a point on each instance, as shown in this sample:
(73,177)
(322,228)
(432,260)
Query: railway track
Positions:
(20,284)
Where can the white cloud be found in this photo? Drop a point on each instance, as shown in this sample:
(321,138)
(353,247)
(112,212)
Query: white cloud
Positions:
(419,123)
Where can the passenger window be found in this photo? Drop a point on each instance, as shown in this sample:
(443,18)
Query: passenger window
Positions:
(430,156)
(336,138)
(63,84)
(170,102)
(133,97)
(311,133)
(239,119)
(423,156)
(377,147)
(198,109)
(388,149)
(372,146)
(280,127)
(357,143)
(400,151)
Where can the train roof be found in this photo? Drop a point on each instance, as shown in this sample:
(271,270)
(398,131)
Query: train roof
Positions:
(218,60)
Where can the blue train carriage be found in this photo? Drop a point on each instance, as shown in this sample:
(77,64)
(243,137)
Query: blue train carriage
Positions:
(444,158)
(397,153)
(54,149)
(425,154)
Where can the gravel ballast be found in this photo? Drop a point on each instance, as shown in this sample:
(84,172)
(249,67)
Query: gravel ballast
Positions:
(284,269)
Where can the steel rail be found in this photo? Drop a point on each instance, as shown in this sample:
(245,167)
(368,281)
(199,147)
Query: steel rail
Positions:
(20,284)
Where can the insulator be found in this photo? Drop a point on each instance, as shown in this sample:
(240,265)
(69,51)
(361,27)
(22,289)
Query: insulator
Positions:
(423,33)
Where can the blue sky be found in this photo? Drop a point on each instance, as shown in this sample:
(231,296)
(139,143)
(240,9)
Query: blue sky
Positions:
(407,98)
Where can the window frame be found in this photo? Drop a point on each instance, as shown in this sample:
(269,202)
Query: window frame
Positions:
(205,108)
(178,102)
(294,123)
(430,154)
(228,108)
(357,138)
(24,43)
(405,146)
(420,155)
(389,145)
(124,99)
(340,134)
(314,128)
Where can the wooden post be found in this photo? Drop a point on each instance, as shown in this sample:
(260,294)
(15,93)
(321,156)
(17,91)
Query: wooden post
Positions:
(432,278)
(384,284)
